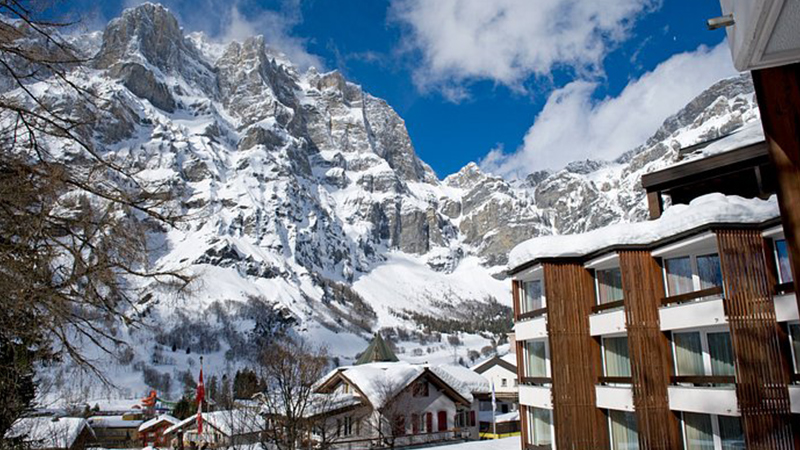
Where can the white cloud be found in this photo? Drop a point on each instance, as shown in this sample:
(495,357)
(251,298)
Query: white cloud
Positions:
(508,41)
(574,126)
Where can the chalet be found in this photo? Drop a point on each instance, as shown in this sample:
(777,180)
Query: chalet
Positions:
(220,428)
(501,372)
(52,433)
(383,402)
(116,431)
(678,332)
(151,432)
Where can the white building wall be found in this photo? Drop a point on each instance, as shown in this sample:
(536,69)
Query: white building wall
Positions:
(497,374)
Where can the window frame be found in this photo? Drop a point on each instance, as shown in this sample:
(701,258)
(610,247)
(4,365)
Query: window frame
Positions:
(696,282)
(705,348)
(597,301)
(532,435)
(715,429)
(777,258)
(603,352)
(526,359)
(522,296)
(795,365)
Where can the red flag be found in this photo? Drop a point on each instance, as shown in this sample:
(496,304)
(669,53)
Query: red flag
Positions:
(201,395)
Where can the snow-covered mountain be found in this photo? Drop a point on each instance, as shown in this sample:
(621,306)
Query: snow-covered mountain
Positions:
(310,209)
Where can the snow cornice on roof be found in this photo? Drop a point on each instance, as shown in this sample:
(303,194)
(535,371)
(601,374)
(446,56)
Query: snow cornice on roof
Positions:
(708,212)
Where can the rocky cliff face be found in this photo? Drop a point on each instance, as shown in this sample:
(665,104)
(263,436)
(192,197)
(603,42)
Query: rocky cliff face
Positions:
(308,199)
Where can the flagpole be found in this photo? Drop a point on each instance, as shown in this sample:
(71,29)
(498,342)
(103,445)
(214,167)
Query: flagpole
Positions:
(200,397)
(494,409)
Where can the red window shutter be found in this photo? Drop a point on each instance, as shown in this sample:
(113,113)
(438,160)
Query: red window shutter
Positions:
(442,420)
(429,422)
(472,418)
(415,423)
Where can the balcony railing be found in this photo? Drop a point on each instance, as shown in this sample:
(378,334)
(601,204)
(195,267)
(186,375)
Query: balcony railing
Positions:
(703,379)
(784,288)
(688,297)
(537,381)
(615,380)
(533,314)
(606,306)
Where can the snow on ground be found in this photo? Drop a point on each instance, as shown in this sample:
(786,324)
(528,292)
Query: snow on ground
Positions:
(511,443)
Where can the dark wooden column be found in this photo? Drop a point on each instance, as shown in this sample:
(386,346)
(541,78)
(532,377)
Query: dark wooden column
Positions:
(761,376)
(778,93)
(523,423)
(649,348)
(515,298)
(575,358)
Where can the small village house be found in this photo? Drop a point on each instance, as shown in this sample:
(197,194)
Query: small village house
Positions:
(52,433)
(120,431)
(501,373)
(151,432)
(220,428)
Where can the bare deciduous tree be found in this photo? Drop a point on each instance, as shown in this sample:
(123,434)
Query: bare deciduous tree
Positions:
(73,221)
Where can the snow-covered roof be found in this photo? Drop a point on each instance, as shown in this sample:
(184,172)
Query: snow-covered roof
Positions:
(749,134)
(113,422)
(159,419)
(48,432)
(232,422)
(463,380)
(486,416)
(708,209)
(381,382)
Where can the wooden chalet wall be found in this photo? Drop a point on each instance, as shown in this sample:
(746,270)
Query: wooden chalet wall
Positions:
(575,358)
(649,349)
(761,377)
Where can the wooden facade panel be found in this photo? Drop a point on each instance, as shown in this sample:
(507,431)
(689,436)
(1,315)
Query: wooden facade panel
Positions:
(761,376)
(575,358)
(515,284)
(649,350)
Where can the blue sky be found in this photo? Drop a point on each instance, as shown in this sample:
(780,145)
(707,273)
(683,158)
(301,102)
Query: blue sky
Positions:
(516,85)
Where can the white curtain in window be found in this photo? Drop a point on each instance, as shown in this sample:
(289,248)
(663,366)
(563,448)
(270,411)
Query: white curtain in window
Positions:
(541,426)
(688,354)
(721,352)
(679,275)
(698,432)
(537,358)
(618,363)
(609,285)
(624,435)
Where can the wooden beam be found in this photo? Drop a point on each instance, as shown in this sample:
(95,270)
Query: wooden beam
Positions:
(649,350)
(778,95)
(655,204)
(575,358)
(761,376)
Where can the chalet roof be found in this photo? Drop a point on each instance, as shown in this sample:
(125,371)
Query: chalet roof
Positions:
(711,210)
(507,362)
(49,432)
(233,422)
(377,351)
(379,383)
(156,420)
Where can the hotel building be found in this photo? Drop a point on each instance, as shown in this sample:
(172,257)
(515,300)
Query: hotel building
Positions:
(678,332)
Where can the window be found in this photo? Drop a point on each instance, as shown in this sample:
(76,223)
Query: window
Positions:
(609,285)
(731,433)
(420,389)
(692,273)
(416,423)
(615,356)
(539,428)
(624,435)
(698,432)
(794,336)
(532,296)
(711,432)
(344,426)
(703,353)
(536,361)
(784,266)
(504,382)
